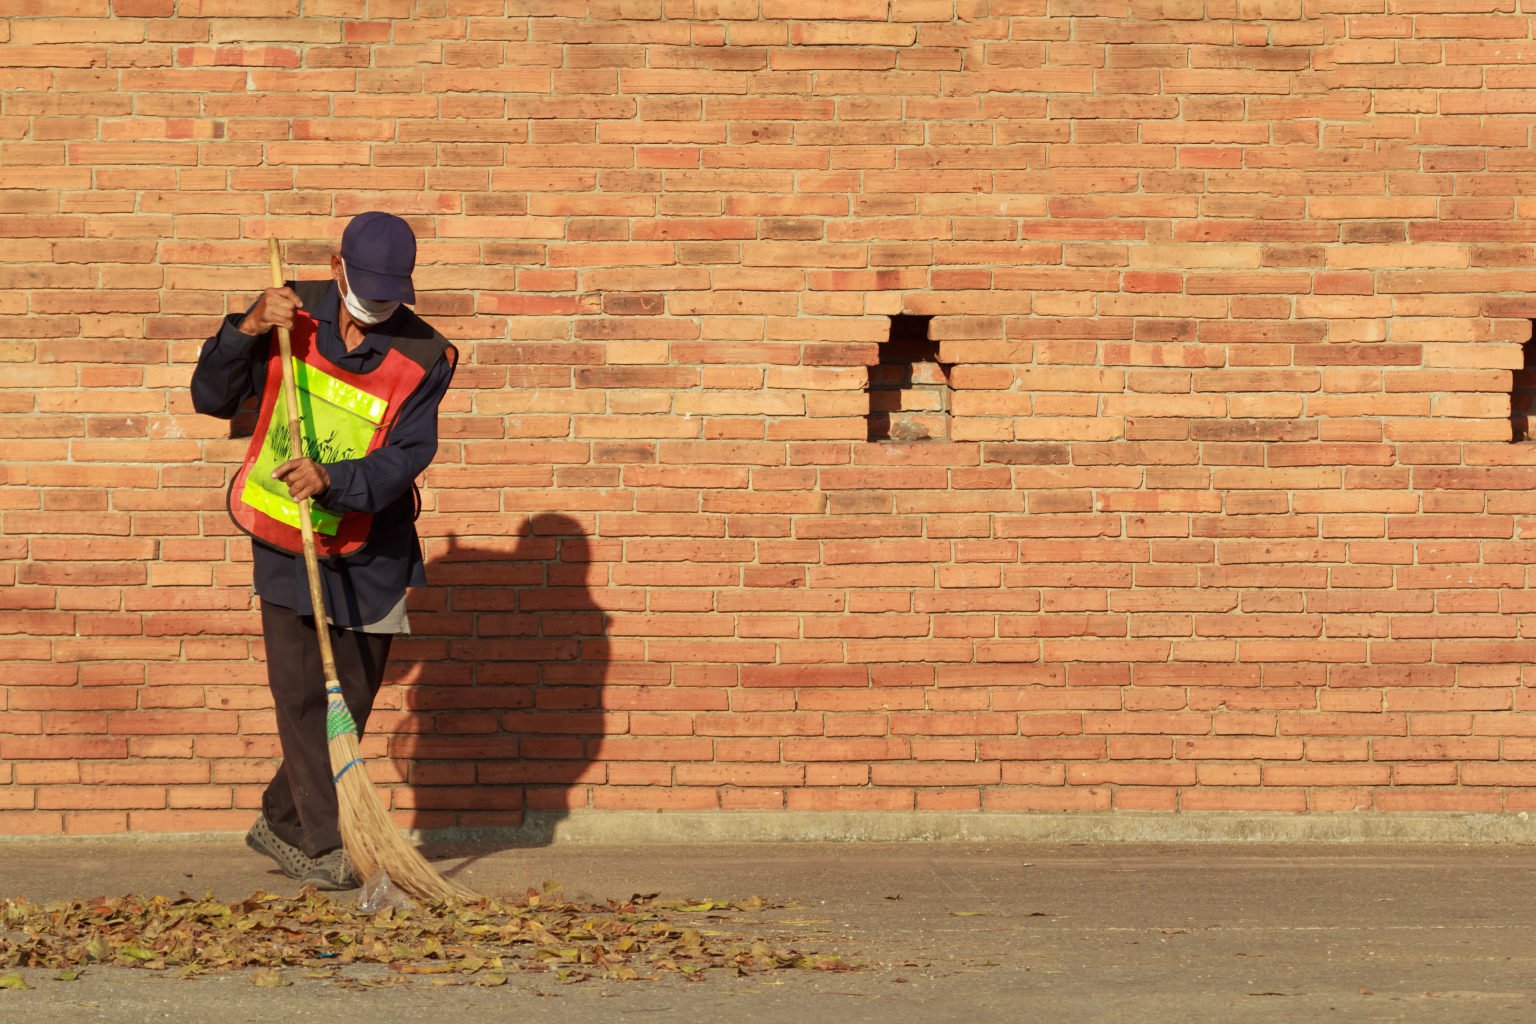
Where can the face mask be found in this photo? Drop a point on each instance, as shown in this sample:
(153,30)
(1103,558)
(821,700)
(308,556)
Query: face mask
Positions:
(366,311)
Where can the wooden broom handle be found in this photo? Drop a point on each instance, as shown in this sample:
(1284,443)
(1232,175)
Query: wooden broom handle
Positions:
(296,449)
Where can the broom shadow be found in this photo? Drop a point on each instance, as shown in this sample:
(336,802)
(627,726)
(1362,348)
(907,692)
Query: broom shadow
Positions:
(502,718)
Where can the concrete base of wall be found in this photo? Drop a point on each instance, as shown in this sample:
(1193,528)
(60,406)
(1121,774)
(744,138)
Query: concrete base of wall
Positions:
(639,828)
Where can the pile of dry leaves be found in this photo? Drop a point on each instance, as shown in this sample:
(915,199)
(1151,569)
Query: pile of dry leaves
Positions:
(477,944)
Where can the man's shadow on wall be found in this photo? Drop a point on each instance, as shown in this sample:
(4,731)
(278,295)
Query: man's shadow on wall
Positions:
(502,717)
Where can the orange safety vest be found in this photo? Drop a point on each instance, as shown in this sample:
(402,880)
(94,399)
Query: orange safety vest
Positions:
(344,415)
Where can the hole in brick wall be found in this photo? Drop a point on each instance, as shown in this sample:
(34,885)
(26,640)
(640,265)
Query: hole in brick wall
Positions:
(1522,397)
(909,387)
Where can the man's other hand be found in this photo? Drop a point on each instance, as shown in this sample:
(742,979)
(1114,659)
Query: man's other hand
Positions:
(305,479)
(274,309)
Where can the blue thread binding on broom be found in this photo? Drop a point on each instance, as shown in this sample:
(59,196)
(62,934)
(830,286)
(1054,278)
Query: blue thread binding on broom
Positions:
(338,722)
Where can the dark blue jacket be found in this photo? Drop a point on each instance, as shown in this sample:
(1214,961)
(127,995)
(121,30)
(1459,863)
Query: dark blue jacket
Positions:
(362,588)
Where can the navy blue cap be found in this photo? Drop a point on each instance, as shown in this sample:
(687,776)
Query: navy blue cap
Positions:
(380,253)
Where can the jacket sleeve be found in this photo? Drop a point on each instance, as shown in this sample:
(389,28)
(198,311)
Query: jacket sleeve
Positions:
(371,483)
(230,368)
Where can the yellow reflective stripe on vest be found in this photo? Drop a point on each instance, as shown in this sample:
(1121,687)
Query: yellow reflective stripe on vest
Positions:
(339,393)
(286,510)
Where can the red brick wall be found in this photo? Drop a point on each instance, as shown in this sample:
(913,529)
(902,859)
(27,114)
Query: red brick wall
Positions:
(1228,297)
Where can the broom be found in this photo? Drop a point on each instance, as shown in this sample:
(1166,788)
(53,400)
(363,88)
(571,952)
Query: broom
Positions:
(372,842)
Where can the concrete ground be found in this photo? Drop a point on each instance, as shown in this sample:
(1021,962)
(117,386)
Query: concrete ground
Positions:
(947,932)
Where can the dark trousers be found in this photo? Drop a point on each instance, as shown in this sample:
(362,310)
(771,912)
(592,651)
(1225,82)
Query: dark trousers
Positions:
(300,801)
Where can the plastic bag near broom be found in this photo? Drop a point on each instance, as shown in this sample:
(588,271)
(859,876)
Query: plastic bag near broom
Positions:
(372,842)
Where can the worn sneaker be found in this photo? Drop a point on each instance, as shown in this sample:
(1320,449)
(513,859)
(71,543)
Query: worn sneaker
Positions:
(332,871)
(294,862)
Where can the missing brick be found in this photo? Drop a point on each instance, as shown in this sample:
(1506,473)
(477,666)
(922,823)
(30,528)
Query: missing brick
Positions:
(1522,396)
(909,392)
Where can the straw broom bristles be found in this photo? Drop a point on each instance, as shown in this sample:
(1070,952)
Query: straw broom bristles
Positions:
(372,842)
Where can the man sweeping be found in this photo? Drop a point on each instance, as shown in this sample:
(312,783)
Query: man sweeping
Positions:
(369,375)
